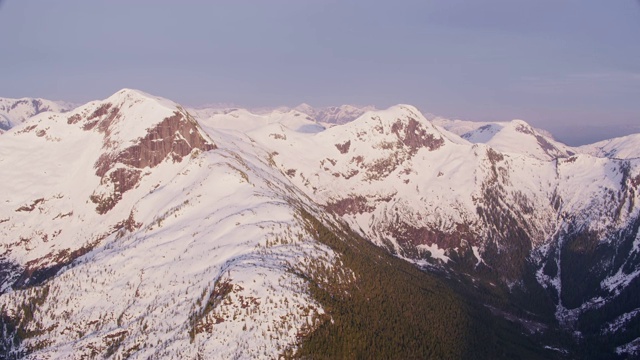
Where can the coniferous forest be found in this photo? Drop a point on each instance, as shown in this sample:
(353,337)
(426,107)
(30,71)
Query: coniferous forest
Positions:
(394,310)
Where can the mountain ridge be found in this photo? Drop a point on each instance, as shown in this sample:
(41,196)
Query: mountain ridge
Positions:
(213,209)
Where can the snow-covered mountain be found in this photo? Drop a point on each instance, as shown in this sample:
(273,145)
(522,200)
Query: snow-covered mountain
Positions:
(334,114)
(516,205)
(461,127)
(325,116)
(129,231)
(519,137)
(16,111)
(133,227)
(514,136)
(243,120)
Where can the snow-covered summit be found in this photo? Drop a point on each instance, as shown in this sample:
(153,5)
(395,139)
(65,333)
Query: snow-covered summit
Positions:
(125,133)
(126,115)
(517,136)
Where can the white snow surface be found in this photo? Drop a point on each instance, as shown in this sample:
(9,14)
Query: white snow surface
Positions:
(631,349)
(435,251)
(625,147)
(461,127)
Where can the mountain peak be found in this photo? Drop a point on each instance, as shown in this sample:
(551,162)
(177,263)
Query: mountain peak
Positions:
(124,116)
(394,114)
(522,126)
(305,108)
(517,136)
(131,97)
(139,130)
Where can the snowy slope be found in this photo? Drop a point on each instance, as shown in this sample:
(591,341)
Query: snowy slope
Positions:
(458,127)
(508,135)
(626,147)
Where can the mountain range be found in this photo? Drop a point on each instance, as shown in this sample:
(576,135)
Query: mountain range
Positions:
(133,227)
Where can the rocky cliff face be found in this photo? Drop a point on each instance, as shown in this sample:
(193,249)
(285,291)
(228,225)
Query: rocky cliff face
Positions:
(120,167)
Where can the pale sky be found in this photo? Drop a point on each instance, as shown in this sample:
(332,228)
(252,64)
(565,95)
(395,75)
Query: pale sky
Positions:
(571,67)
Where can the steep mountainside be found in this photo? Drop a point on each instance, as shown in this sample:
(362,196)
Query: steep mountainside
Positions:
(147,244)
(128,230)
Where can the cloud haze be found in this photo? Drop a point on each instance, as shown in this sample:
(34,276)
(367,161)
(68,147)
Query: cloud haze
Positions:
(554,64)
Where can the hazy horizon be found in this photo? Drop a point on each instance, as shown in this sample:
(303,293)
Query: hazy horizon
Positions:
(571,67)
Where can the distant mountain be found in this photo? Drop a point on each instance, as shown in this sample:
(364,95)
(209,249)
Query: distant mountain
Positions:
(334,114)
(519,137)
(625,147)
(132,227)
(16,111)
(460,127)
(245,120)
(328,116)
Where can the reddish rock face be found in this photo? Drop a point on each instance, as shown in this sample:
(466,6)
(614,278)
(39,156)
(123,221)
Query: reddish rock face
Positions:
(344,148)
(414,136)
(176,137)
(350,205)
(409,237)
